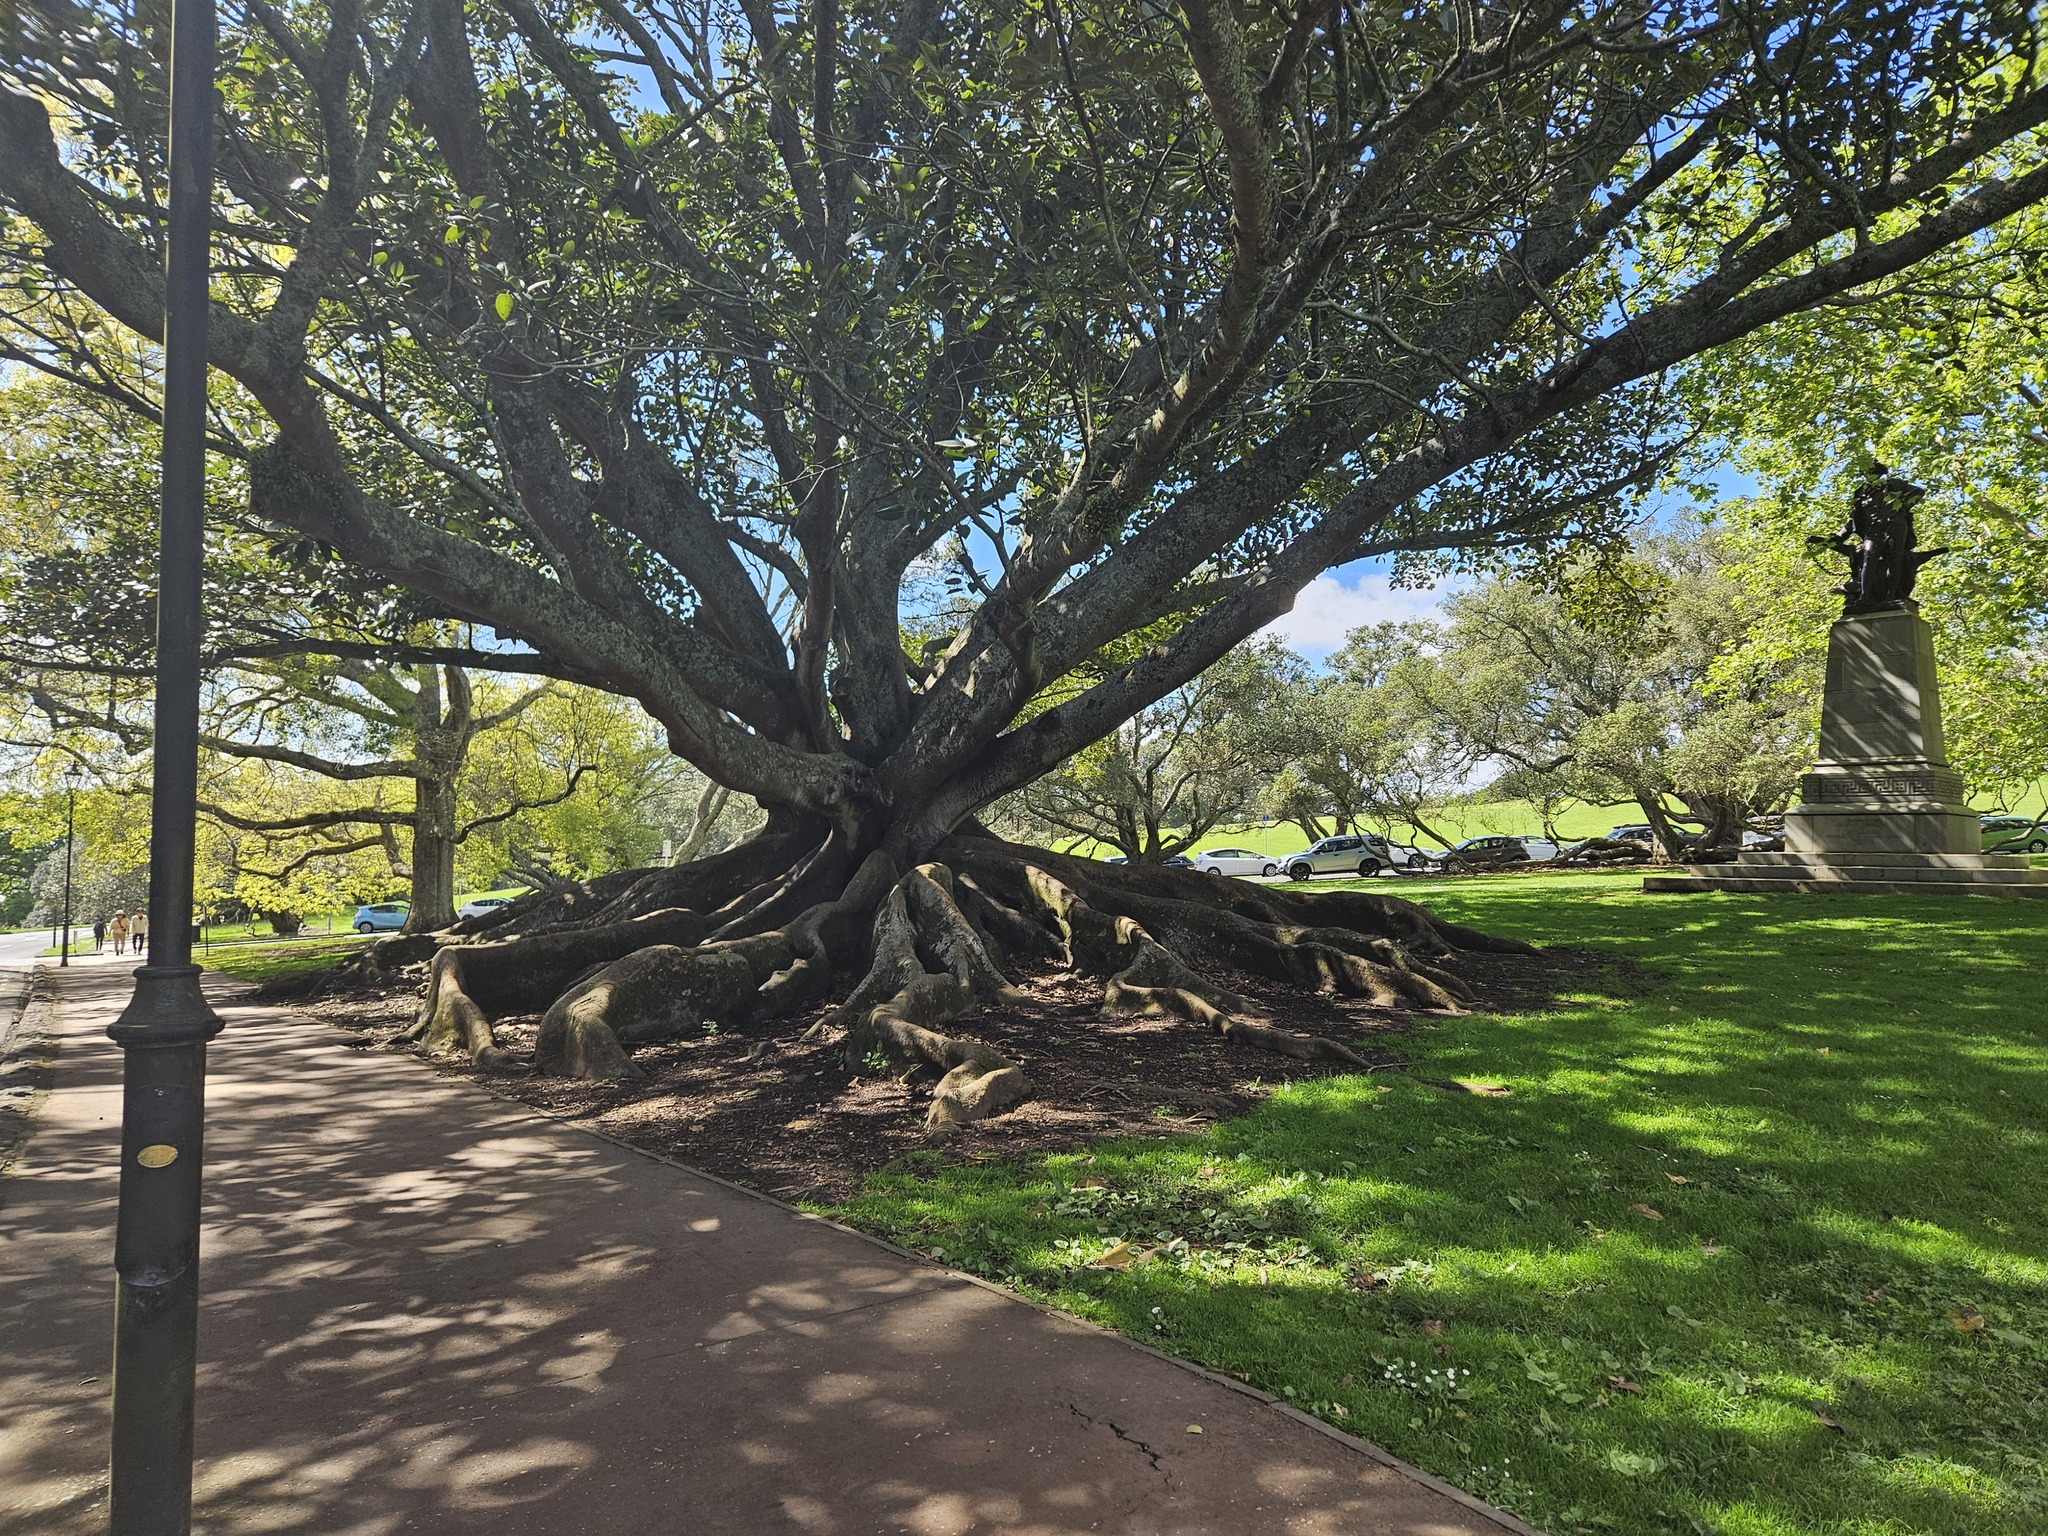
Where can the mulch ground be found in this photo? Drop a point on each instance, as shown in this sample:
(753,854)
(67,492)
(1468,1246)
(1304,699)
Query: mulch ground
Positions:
(760,1106)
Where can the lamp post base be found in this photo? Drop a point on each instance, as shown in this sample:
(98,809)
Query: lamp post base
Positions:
(162,1034)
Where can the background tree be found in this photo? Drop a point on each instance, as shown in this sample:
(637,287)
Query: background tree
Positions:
(1365,750)
(1166,777)
(694,333)
(638,795)
(309,666)
(1630,701)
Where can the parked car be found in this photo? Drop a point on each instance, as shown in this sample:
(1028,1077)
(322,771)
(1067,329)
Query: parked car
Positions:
(1634,832)
(1352,853)
(477,906)
(1178,861)
(1495,852)
(1236,861)
(2013,834)
(382,916)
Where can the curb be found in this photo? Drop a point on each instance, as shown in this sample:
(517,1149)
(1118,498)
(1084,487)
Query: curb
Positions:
(28,1055)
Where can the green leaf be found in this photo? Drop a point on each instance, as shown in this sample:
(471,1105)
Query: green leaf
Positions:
(504,306)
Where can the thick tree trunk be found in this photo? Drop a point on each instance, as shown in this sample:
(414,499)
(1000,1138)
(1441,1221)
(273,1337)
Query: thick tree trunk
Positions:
(444,726)
(433,854)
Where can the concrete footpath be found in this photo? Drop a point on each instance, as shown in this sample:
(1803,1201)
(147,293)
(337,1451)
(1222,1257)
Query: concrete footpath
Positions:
(427,1309)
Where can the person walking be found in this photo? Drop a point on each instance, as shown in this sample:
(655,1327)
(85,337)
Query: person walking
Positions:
(117,930)
(99,934)
(138,931)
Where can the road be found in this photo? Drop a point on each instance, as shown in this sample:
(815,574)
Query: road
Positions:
(18,953)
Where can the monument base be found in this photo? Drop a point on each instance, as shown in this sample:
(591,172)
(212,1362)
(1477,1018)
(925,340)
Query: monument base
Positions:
(1868,874)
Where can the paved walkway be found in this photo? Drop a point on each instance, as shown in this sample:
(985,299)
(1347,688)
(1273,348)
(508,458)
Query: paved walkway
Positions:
(431,1310)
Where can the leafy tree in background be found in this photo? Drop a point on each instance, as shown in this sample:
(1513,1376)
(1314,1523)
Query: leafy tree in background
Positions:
(1196,760)
(1630,702)
(638,795)
(667,341)
(1365,750)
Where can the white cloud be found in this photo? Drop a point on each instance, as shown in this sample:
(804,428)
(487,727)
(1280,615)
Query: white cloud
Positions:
(1329,608)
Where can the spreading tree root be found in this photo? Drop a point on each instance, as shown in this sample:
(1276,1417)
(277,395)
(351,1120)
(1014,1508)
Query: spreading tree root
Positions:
(1147,930)
(896,1004)
(467,984)
(793,911)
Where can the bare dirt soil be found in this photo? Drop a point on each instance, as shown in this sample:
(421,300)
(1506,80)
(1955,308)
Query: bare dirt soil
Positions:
(764,1107)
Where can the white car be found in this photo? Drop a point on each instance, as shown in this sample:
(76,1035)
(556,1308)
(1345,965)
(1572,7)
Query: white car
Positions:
(1236,861)
(1361,854)
(477,906)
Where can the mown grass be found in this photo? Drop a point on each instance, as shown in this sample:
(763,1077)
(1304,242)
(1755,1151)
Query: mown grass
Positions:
(1836,1321)
(265,959)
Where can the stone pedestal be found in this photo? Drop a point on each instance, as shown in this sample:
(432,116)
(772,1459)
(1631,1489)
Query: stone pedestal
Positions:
(1883,783)
(1882,811)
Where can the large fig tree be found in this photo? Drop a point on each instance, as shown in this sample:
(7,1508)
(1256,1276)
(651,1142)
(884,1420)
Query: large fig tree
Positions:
(667,337)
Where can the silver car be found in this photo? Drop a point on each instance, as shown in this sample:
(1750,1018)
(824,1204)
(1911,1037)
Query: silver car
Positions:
(1352,853)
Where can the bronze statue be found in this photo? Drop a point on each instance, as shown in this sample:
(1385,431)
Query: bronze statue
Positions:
(1878,539)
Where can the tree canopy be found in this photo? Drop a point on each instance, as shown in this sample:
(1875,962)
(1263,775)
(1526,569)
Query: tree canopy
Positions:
(667,338)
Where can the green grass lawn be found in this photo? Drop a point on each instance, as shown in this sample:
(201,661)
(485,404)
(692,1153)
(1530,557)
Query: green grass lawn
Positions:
(1835,1321)
(265,958)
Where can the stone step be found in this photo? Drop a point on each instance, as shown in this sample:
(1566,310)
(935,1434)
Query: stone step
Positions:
(1854,868)
(1845,887)
(1894,860)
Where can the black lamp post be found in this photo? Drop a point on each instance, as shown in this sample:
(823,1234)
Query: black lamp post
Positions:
(71,778)
(164,1029)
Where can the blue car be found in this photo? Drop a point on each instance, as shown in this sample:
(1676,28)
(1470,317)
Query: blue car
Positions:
(382,916)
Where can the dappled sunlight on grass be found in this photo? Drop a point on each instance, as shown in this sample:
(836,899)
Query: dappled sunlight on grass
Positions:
(1755,1243)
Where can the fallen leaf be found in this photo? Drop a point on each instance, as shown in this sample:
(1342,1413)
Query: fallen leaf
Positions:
(1678,1178)
(1092,1183)
(1119,1257)
(1346,1381)
(1194,1429)
(1623,1384)
(1878,1294)
(1710,1249)
(1823,1050)
(1969,1320)
(1205,1173)
(1828,1423)
(1647,1210)
(1340,1410)
(1431,1326)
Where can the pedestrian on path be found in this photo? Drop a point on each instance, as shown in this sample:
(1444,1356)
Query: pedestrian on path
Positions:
(117,930)
(138,931)
(99,934)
